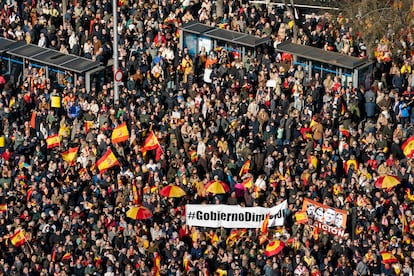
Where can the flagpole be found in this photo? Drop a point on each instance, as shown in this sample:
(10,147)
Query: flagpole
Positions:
(115,48)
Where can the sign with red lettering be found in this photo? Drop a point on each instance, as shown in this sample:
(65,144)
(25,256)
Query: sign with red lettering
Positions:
(325,218)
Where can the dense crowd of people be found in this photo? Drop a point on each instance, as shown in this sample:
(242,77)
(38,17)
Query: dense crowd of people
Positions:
(74,217)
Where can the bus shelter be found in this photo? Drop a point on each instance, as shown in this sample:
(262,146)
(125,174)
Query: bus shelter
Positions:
(197,35)
(348,68)
(59,67)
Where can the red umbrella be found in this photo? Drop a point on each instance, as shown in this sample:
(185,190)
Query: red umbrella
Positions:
(274,247)
(217,187)
(387,181)
(139,213)
(172,191)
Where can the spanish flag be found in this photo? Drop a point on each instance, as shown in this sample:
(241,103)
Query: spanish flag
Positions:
(248,183)
(53,141)
(29,194)
(343,108)
(18,238)
(301,217)
(313,160)
(54,253)
(245,168)
(151,143)
(157,264)
(70,155)
(120,134)
(410,196)
(344,132)
(67,256)
(235,235)
(87,125)
(348,164)
(108,160)
(135,193)
(265,225)
(359,229)
(388,258)
(3,208)
(262,238)
(193,156)
(408,147)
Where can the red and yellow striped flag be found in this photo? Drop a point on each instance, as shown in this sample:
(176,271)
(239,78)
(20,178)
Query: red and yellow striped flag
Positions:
(245,168)
(108,160)
(87,125)
(53,141)
(265,225)
(388,258)
(150,143)
(301,217)
(120,134)
(347,165)
(248,183)
(262,238)
(193,156)
(157,264)
(3,208)
(408,147)
(70,155)
(18,238)
(67,256)
(135,194)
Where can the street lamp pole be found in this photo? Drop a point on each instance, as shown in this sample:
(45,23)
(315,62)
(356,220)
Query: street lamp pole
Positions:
(115,49)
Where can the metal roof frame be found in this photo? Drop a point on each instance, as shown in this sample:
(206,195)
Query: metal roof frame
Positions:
(321,55)
(238,38)
(46,56)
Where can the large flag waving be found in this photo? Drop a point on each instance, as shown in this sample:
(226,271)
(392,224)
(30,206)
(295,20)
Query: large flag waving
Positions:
(120,134)
(108,160)
(408,147)
(151,143)
(18,238)
(70,155)
(53,141)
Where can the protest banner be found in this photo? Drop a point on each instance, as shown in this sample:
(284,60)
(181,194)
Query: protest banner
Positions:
(324,217)
(232,216)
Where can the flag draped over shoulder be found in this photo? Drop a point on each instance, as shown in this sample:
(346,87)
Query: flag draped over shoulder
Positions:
(70,155)
(120,134)
(53,141)
(408,147)
(108,160)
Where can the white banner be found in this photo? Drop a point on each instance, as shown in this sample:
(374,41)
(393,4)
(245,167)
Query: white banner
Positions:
(233,216)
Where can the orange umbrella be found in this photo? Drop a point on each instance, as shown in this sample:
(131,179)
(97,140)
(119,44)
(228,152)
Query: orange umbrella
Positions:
(139,213)
(172,191)
(387,181)
(217,187)
(274,247)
